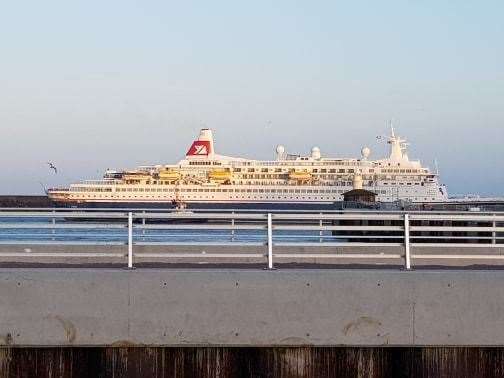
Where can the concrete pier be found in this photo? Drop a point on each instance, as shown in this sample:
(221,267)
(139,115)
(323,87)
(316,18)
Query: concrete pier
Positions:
(205,307)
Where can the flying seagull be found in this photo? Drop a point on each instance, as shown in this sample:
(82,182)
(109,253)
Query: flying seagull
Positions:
(51,166)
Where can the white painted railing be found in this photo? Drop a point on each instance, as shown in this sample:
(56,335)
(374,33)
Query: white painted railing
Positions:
(338,236)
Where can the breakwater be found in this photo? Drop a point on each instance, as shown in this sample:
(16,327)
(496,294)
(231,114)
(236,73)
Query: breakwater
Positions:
(24,201)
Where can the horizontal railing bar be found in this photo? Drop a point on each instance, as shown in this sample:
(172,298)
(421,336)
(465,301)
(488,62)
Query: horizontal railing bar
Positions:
(64,215)
(456,245)
(198,255)
(260,212)
(199,216)
(60,254)
(337,228)
(199,226)
(100,232)
(450,237)
(260,216)
(337,256)
(67,243)
(346,216)
(61,235)
(456,217)
(459,257)
(285,227)
(92,209)
(456,229)
(216,243)
(136,209)
(336,244)
(316,236)
(61,226)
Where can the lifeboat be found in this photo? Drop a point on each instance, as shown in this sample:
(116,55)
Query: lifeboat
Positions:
(138,176)
(169,175)
(300,175)
(220,175)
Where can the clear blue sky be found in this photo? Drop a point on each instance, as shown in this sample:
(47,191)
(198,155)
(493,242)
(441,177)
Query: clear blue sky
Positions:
(98,84)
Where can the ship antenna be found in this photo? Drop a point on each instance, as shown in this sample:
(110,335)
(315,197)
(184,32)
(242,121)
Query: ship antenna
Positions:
(392,129)
(437,167)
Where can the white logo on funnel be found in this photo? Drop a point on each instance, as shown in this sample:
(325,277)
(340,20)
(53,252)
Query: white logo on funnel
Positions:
(200,149)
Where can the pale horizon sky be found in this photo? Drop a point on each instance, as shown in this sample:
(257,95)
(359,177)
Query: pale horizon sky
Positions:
(95,85)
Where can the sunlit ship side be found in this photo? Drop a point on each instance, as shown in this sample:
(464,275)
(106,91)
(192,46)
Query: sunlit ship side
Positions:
(205,179)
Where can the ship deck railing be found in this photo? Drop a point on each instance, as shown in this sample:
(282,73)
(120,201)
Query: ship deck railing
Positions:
(133,237)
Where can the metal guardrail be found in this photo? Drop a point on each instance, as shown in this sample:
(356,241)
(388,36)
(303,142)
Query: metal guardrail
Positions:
(265,231)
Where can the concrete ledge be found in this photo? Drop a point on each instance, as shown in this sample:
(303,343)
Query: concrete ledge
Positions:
(116,307)
(243,255)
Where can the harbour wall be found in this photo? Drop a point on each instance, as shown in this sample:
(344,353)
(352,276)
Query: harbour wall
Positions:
(24,201)
(250,308)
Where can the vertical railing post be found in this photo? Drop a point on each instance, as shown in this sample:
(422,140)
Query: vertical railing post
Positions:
(494,233)
(320,232)
(130,240)
(407,250)
(53,232)
(143,225)
(270,242)
(233,226)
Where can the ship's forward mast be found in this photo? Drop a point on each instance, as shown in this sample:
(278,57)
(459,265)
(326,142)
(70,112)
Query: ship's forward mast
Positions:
(398,147)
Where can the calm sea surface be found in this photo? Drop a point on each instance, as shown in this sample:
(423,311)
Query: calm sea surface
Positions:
(19,230)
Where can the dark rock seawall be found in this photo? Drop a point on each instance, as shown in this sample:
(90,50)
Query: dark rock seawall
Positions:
(24,201)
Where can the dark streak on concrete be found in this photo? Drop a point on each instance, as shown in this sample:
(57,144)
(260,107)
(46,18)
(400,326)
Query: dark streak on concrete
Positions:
(68,327)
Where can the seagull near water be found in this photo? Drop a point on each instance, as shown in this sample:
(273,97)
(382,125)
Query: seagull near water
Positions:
(53,167)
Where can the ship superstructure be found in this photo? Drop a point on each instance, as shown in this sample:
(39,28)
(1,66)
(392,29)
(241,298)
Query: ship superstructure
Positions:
(205,178)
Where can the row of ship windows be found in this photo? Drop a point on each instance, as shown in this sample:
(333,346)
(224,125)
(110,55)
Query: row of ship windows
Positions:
(404,171)
(332,183)
(290,164)
(87,189)
(280,170)
(204,163)
(271,177)
(324,170)
(315,170)
(211,190)
(207,190)
(230,197)
(404,183)
(159,190)
(263,197)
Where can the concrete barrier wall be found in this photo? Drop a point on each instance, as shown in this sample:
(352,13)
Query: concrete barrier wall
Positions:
(176,254)
(165,255)
(178,307)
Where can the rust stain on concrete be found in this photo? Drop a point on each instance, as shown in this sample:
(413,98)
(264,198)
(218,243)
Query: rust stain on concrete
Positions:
(361,324)
(6,340)
(68,326)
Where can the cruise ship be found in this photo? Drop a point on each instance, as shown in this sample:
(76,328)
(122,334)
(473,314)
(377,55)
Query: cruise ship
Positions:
(205,179)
